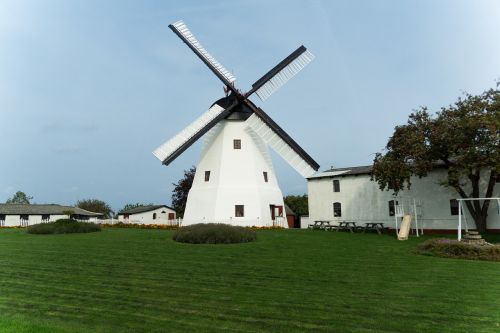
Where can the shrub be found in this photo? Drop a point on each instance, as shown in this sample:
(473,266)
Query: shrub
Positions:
(214,233)
(447,248)
(63,226)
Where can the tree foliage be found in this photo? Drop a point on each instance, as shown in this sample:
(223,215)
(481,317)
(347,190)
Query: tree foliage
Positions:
(298,203)
(96,206)
(19,198)
(181,190)
(463,138)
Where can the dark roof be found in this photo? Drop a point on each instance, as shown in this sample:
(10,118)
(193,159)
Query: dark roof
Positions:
(143,209)
(359,170)
(341,172)
(52,209)
(289,211)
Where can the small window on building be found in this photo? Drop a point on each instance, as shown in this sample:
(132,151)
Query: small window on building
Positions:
(126,216)
(265,176)
(2,220)
(239,210)
(337,209)
(454,207)
(45,217)
(237,144)
(392,207)
(154,216)
(336,185)
(207,176)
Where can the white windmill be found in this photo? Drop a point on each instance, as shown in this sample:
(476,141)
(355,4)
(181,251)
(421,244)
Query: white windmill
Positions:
(235,181)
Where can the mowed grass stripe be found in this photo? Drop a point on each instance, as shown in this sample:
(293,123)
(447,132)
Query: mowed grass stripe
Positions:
(286,281)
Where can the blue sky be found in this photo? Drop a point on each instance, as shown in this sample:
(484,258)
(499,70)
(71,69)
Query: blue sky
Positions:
(88,89)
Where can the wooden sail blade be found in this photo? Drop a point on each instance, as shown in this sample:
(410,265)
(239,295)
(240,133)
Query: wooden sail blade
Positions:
(282,143)
(169,151)
(281,73)
(182,31)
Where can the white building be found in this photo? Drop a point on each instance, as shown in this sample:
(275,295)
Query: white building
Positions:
(12,215)
(348,194)
(235,181)
(156,214)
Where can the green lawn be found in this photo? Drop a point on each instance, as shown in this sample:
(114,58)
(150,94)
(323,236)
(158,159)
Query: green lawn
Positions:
(128,280)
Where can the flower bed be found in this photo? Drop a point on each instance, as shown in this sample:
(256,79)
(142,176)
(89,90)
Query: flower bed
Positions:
(140,226)
(447,248)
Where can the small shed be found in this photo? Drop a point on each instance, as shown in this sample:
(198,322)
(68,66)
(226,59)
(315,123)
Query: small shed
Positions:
(290,216)
(151,214)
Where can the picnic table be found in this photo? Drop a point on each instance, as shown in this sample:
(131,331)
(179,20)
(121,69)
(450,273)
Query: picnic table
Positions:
(347,226)
(374,226)
(322,225)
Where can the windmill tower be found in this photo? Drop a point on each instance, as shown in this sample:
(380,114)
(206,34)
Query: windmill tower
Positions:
(235,181)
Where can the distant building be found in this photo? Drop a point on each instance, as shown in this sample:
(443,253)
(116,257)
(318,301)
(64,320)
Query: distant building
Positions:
(12,215)
(348,194)
(156,214)
(291,217)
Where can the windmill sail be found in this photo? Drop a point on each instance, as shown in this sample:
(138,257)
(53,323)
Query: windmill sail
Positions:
(168,151)
(187,37)
(281,73)
(284,145)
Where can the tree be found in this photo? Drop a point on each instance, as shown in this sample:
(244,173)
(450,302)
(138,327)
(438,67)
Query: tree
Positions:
(19,198)
(298,203)
(96,206)
(69,212)
(463,138)
(181,190)
(134,205)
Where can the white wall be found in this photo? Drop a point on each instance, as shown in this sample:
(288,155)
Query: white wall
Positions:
(15,220)
(236,178)
(362,201)
(147,217)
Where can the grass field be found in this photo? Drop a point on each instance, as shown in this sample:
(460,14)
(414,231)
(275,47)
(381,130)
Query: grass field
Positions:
(126,280)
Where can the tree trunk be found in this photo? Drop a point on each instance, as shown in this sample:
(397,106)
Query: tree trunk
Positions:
(478,212)
(480,220)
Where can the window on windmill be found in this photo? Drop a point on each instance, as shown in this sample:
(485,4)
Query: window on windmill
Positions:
(207,176)
(336,185)
(154,216)
(454,207)
(265,176)
(392,207)
(237,144)
(337,209)
(239,210)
